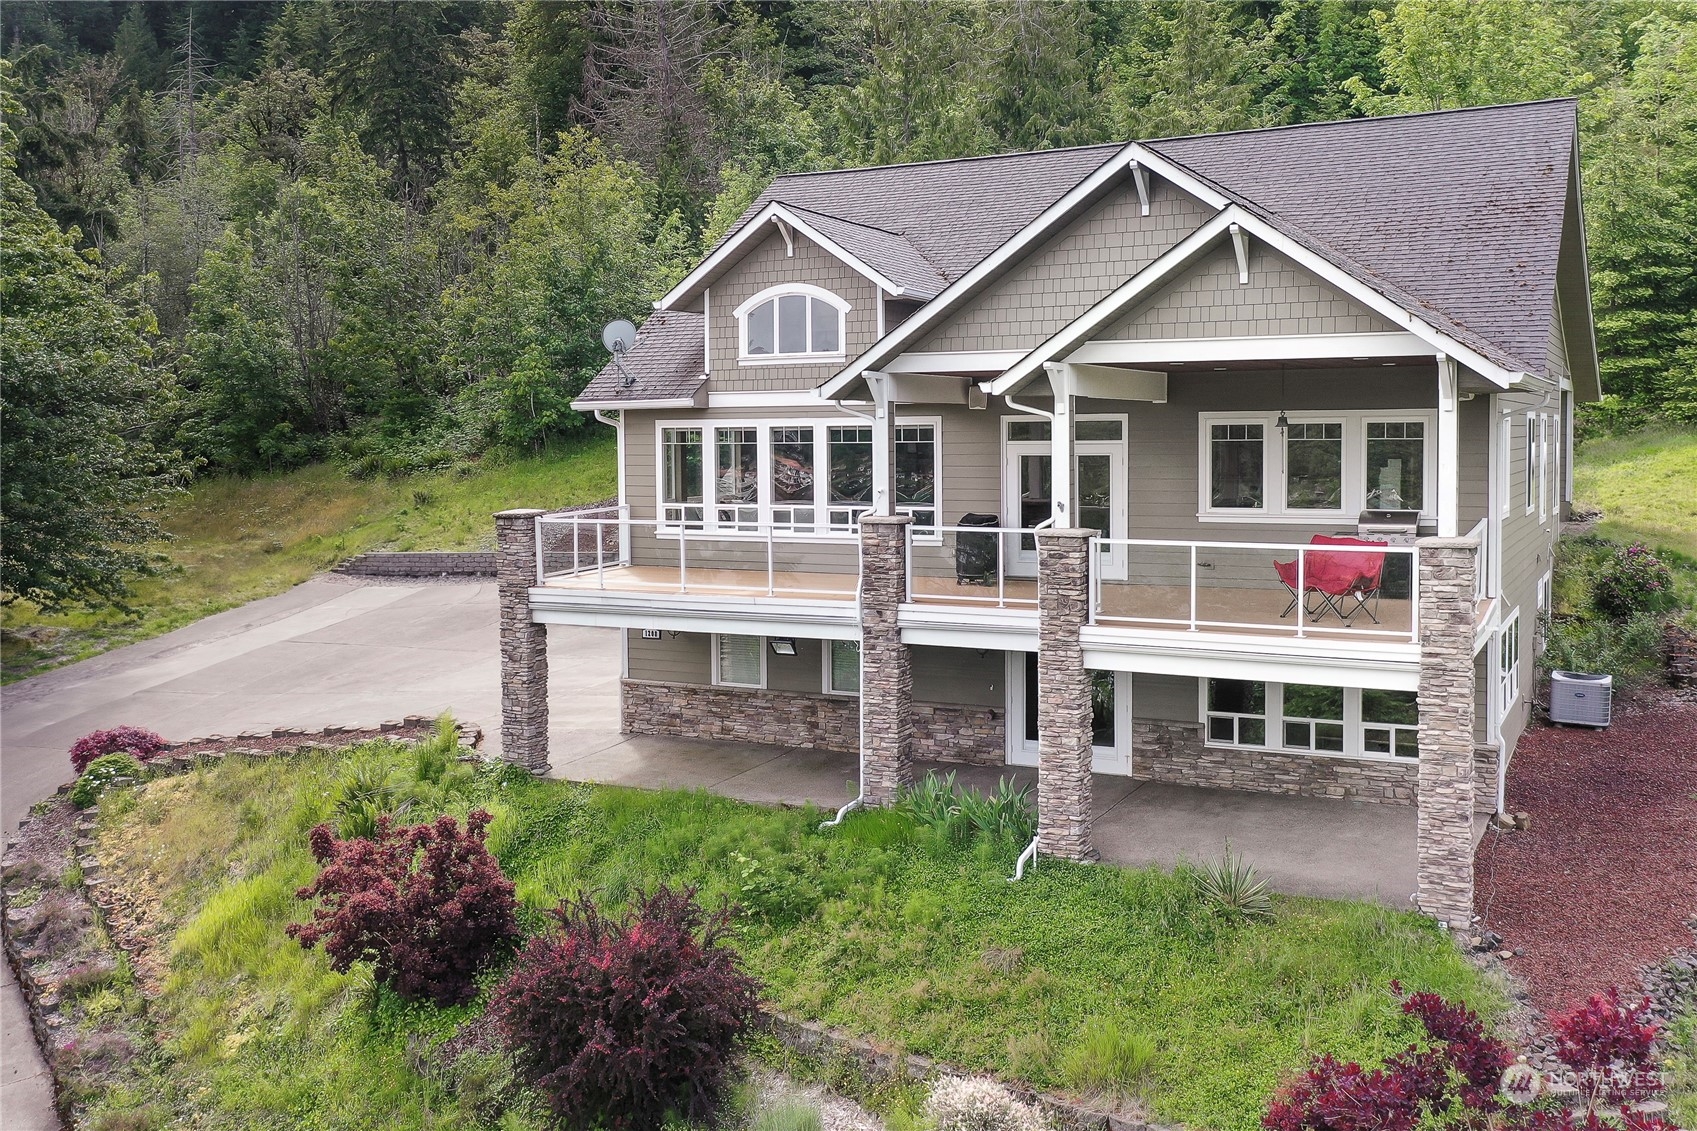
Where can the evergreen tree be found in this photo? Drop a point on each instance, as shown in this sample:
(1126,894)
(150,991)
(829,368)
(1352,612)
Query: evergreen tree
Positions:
(78,476)
(917,98)
(1316,46)
(1039,85)
(1183,67)
(144,62)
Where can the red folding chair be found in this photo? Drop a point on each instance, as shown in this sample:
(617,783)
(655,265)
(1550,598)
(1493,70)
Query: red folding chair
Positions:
(1344,583)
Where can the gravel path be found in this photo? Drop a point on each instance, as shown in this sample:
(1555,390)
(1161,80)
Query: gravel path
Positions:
(1606,880)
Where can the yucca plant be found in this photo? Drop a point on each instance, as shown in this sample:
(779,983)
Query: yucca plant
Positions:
(366,792)
(1230,886)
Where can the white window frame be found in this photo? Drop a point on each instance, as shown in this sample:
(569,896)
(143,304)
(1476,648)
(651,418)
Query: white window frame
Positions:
(1505,446)
(714,661)
(823,530)
(827,683)
(1354,727)
(1546,599)
(1274,467)
(1531,488)
(742,312)
(1546,461)
(1508,662)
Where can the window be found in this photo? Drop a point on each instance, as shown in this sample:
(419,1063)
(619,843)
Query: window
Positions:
(680,474)
(792,321)
(1505,459)
(1546,465)
(849,494)
(1314,466)
(739,661)
(1333,465)
(842,667)
(1236,460)
(1390,723)
(1508,661)
(916,474)
(1237,712)
(792,487)
(737,477)
(1396,465)
(1311,719)
(1531,461)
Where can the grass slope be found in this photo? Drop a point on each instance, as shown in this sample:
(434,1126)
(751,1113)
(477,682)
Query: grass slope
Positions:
(236,540)
(1646,486)
(875,926)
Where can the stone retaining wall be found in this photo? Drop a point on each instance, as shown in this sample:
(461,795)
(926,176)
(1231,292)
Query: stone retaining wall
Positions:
(941,732)
(470,563)
(1174,753)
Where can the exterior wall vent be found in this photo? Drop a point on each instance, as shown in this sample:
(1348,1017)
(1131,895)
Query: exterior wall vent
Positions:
(1581,700)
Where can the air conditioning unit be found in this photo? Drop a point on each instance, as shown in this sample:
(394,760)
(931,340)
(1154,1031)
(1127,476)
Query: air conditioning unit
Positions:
(1581,700)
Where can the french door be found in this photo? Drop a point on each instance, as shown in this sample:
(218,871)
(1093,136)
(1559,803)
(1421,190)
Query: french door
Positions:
(1110,716)
(1099,486)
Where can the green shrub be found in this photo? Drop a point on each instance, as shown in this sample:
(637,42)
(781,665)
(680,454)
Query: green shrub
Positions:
(1103,1057)
(773,892)
(367,791)
(1629,650)
(958,812)
(432,756)
(1632,581)
(1229,886)
(789,1115)
(100,775)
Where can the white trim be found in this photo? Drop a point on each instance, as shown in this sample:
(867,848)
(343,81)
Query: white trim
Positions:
(755,228)
(1274,718)
(954,361)
(1265,347)
(1531,488)
(808,289)
(781,398)
(1226,655)
(1179,255)
(741,615)
(992,265)
(759,648)
(1508,674)
(1240,246)
(826,686)
(707,331)
(1274,465)
(663,402)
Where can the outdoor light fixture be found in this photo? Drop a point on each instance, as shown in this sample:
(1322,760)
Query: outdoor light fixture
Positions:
(783,646)
(1283,423)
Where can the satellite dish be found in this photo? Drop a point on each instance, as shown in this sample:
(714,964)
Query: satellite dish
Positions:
(619,336)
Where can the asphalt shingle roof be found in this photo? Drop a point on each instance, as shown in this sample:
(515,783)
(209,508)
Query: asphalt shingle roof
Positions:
(668,360)
(1455,215)
(888,253)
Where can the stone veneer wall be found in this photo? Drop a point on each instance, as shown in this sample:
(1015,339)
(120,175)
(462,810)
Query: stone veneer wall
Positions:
(524,645)
(886,663)
(1065,790)
(1485,779)
(941,732)
(1174,753)
(1448,770)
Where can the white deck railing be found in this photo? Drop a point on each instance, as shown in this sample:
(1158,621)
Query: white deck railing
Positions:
(979,557)
(1127,575)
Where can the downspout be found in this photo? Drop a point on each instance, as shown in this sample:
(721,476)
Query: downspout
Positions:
(617,424)
(859,801)
(1029,856)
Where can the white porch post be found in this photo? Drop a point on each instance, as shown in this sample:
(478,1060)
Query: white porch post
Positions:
(1061,380)
(883,443)
(1449,449)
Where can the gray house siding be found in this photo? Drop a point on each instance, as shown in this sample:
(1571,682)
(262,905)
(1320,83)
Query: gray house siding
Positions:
(768,265)
(1207,301)
(1058,282)
(1528,550)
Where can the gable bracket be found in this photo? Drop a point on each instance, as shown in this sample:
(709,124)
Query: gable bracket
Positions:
(1141,176)
(1240,244)
(788,234)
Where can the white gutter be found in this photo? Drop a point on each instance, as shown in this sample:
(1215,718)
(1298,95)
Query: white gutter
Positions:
(859,801)
(1029,855)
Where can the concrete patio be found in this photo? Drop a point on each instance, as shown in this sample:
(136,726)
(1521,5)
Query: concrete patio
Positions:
(1301,846)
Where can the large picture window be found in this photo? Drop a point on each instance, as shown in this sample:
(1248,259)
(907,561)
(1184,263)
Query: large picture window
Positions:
(739,661)
(1312,719)
(842,667)
(803,478)
(794,321)
(1508,661)
(1302,467)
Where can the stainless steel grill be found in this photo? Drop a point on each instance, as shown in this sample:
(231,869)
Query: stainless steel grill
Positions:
(1395,528)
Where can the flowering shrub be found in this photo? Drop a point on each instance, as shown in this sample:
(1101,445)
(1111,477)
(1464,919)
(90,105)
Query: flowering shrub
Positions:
(425,904)
(142,744)
(1458,1078)
(626,1021)
(973,1103)
(1611,1044)
(1632,580)
(101,773)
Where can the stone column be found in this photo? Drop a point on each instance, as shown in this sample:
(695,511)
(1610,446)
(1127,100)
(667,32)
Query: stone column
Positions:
(1445,821)
(886,667)
(1065,803)
(524,645)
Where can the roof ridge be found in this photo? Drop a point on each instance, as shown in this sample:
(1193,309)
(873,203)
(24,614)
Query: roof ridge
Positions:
(840,219)
(1364,119)
(952,160)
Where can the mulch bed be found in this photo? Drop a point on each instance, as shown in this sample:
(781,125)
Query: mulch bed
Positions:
(1605,881)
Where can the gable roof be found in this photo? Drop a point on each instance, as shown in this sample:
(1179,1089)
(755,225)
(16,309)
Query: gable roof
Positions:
(889,253)
(667,364)
(1455,215)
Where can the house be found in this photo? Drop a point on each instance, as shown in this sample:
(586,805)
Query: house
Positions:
(1032,459)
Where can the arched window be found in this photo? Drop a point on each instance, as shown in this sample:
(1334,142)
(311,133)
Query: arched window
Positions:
(794,320)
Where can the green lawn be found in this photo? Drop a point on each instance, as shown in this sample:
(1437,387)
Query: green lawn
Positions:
(236,540)
(876,927)
(1646,486)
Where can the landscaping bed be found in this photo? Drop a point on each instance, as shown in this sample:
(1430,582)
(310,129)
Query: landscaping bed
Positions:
(878,928)
(1605,882)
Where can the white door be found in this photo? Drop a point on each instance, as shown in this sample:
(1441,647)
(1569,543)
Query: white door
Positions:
(1110,703)
(1099,486)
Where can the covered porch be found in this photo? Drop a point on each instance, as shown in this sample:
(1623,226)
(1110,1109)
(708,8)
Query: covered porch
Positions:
(1301,846)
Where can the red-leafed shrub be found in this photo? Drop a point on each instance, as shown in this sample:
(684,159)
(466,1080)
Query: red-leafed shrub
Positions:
(426,905)
(143,744)
(1611,1044)
(625,1021)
